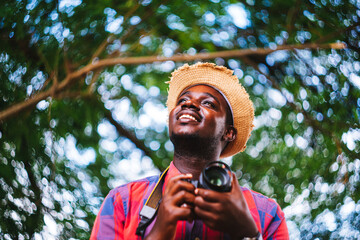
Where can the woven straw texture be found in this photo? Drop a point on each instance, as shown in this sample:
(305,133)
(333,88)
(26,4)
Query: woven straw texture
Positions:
(222,79)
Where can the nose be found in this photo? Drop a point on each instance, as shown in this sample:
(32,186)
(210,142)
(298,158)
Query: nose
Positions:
(190,104)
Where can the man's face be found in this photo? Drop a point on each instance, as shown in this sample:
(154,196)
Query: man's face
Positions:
(200,111)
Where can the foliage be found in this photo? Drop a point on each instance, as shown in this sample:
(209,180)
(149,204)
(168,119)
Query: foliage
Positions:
(83,92)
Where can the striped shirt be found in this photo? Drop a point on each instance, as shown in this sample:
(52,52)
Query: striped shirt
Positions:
(119,217)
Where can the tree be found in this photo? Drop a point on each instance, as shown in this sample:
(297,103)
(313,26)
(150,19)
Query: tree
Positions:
(83,92)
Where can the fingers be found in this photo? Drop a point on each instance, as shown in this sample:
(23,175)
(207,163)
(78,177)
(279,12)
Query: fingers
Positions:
(177,204)
(180,191)
(182,197)
(181,213)
(209,195)
(178,199)
(224,211)
(208,217)
(177,184)
(208,209)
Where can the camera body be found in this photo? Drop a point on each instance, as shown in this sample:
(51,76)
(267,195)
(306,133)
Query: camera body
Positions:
(215,176)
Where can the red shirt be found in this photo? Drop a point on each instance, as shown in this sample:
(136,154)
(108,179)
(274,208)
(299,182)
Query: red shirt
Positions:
(118,217)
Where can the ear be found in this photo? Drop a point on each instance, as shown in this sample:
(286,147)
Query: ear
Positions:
(230,134)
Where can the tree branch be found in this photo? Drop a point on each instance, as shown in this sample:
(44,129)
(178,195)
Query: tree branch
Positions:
(70,78)
(94,79)
(213,55)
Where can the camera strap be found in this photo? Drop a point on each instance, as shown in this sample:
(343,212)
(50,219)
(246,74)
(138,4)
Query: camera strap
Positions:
(148,212)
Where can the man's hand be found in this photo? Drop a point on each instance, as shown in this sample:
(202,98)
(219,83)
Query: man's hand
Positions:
(226,212)
(175,205)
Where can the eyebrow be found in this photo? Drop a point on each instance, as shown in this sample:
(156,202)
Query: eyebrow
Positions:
(206,93)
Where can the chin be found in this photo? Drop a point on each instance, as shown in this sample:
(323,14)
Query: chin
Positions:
(184,135)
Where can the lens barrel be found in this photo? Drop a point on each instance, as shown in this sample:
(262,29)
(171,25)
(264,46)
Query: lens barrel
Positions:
(216,176)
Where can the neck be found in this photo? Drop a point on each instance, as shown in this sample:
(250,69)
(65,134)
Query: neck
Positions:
(190,162)
(192,153)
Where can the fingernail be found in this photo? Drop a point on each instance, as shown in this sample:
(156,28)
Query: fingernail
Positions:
(196,191)
(189,175)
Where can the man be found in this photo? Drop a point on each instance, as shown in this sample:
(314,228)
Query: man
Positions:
(210,117)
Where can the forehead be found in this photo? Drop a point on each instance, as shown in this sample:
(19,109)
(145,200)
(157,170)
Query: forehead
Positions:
(213,92)
(206,90)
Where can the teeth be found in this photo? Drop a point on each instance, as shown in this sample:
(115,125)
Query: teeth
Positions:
(187,116)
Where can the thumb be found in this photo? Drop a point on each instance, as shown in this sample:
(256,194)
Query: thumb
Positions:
(234,178)
(234,182)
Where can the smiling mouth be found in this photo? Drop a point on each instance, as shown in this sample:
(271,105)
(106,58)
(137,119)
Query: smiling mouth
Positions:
(187,116)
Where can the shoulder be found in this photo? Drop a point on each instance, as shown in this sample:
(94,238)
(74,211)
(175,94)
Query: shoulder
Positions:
(123,189)
(132,188)
(122,196)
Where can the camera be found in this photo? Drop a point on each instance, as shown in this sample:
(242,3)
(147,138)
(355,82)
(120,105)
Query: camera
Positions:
(216,176)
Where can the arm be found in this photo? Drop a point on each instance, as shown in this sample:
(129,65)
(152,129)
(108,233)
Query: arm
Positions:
(281,232)
(276,229)
(109,223)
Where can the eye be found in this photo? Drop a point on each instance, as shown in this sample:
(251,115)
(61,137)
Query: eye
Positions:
(209,104)
(181,100)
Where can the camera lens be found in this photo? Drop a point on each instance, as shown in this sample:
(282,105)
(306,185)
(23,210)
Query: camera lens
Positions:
(216,176)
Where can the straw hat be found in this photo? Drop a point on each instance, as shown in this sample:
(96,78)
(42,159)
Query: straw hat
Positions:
(223,80)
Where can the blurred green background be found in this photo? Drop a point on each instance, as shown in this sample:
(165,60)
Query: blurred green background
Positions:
(82,104)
